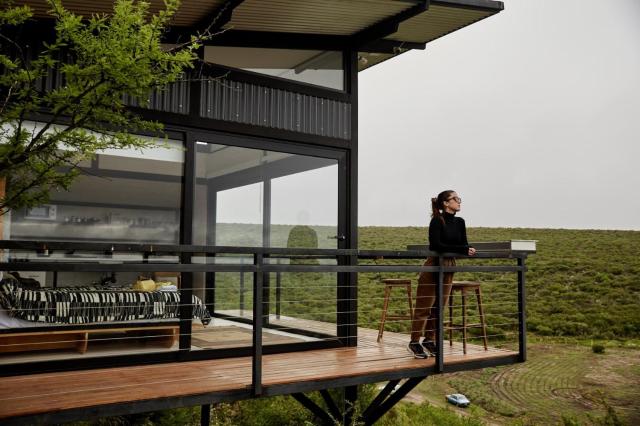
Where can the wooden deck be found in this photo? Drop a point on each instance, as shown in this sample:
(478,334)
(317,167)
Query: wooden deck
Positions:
(81,394)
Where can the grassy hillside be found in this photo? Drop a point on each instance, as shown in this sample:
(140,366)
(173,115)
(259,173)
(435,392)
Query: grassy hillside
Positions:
(580,283)
(583,283)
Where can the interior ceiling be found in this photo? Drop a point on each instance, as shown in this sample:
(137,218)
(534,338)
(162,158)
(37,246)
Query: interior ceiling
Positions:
(222,159)
(250,57)
(318,17)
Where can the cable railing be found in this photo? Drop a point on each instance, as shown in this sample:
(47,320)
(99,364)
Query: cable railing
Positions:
(331,297)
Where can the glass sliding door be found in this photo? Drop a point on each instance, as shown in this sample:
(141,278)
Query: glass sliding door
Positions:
(254,197)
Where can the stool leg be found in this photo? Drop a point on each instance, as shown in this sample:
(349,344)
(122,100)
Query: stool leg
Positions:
(464,321)
(482,321)
(387,291)
(451,318)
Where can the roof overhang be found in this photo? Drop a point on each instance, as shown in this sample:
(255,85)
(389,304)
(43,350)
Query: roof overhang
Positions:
(377,29)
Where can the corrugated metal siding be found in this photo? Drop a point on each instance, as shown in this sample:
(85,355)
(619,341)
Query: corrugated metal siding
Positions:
(247,103)
(174,99)
(337,17)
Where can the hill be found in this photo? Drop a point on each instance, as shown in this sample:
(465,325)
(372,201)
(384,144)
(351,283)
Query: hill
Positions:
(582,283)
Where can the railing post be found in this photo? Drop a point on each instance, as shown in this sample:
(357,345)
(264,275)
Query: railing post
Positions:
(278,291)
(186,308)
(440,329)
(522,314)
(210,287)
(257,326)
(242,288)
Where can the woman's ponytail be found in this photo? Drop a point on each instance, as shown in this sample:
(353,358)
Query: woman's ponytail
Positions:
(435,210)
(437,204)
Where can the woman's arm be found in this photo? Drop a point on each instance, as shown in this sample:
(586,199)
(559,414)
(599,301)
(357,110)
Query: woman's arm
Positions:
(470,250)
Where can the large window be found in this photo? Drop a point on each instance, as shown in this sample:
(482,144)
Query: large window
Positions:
(322,68)
(120,196)
(253,197)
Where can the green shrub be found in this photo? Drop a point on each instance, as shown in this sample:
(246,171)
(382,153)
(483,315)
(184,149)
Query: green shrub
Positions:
(425,414)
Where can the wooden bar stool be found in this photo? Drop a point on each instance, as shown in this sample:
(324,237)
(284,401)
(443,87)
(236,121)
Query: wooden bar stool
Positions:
(390,283)
(465,287)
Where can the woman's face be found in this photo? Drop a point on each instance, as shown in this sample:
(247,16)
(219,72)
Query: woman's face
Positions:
(452,203)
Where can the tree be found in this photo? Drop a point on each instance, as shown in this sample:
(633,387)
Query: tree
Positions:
(110,56)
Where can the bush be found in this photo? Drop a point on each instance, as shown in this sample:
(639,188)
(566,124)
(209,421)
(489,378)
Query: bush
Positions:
(597,348)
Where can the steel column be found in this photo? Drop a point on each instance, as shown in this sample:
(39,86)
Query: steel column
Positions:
(348,214)
(186,237)
(205,415)
(522,311)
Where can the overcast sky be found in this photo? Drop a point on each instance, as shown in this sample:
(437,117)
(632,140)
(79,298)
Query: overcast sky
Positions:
(532,115)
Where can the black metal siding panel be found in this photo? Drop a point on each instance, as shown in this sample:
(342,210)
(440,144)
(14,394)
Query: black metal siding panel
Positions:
(175,98)
(247,103)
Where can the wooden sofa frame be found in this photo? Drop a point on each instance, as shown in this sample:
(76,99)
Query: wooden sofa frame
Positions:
(78,339)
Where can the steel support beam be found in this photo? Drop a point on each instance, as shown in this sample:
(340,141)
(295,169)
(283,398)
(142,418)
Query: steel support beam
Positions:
(275,40)
(322,415)
(384,393)
(376,412)
(387,26)
(330,403)
(219,18)
(350,399)
(390,46)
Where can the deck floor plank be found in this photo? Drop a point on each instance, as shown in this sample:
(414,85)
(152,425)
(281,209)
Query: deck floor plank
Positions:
(55,392)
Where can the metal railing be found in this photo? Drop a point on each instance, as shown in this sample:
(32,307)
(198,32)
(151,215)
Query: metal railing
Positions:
(348,264)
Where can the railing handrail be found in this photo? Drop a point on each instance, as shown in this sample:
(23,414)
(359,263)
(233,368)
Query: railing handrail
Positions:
(485,249)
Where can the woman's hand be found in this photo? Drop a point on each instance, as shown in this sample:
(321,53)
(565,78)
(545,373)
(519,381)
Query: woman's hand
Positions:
(472,251)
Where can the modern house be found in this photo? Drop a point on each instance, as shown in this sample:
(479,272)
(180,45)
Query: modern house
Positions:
(224,265)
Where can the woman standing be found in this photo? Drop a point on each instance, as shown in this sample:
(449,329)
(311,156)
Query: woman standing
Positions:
(447,234)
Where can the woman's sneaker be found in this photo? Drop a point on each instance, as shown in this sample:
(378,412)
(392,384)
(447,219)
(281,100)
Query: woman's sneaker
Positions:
(417,350)
(430,347)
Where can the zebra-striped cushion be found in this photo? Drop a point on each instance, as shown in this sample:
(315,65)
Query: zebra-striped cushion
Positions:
(81,305)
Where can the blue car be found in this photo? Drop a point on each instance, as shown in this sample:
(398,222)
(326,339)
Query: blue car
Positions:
(458,399)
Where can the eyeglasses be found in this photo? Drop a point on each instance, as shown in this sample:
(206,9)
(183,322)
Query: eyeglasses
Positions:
(456,199)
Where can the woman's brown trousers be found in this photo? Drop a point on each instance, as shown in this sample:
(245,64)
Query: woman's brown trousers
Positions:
(424,319)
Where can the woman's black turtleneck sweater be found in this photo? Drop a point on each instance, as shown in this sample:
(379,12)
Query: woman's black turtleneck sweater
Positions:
(450,236)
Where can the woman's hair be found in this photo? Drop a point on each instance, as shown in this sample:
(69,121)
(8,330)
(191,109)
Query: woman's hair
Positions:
(437,203)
